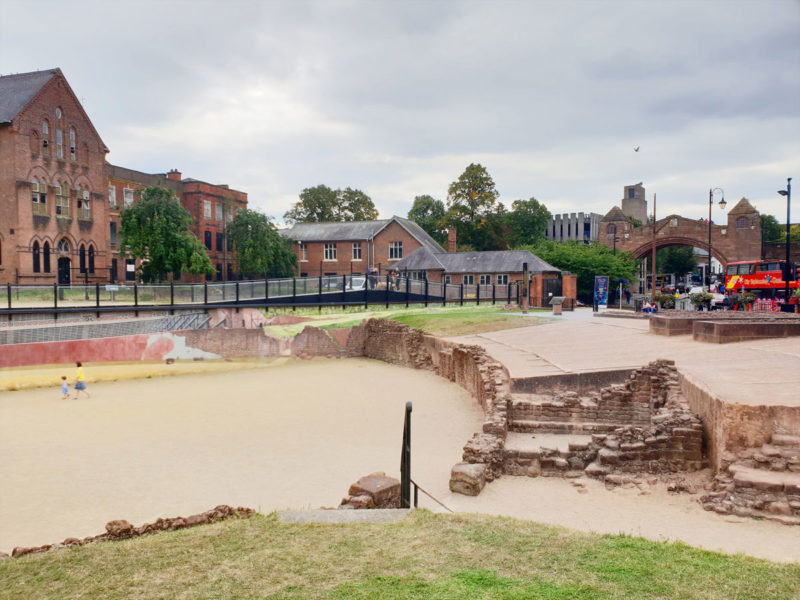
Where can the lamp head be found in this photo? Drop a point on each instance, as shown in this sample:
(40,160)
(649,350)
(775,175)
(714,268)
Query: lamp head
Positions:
(722,203)
(783,192)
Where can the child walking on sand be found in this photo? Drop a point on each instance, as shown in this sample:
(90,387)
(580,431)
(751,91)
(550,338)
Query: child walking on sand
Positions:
(64,388)
(80,382)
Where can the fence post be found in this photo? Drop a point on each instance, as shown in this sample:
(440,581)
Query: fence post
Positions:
(97,297)
(387,288)
(8,289)
(462,293)
(135,299)
(171,296)
(494,294)
(508,292)
(294,293)
(237,295)
(319,288)
(55,296)
(205,293)
(405,461)
(444,292)
(426,290)
(266,289)
(408,280)
(366,289)
(478,294)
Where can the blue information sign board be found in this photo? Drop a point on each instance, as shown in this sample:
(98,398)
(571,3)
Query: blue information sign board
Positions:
(601,290)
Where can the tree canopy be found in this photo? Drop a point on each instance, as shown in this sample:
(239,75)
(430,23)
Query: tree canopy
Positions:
(527,222)
(260,249)
(586,261)
(156,230)
(471,209)
(428,213)
(771,230)
(675,260)
(322,204)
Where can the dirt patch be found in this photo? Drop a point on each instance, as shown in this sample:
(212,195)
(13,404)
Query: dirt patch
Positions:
(287,320)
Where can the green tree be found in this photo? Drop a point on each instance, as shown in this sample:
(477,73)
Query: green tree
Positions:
(156,230)
(470,201)
(586,261)
(676,260)
(771,230)
(428,213)
(260,249)
(526,222)
(321,204)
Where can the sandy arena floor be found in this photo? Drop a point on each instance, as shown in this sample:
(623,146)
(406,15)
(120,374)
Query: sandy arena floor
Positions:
(292,435)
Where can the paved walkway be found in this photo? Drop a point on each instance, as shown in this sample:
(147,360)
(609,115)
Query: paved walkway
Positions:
(763,372)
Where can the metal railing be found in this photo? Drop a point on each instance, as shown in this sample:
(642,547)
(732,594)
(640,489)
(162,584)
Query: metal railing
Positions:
(326,290)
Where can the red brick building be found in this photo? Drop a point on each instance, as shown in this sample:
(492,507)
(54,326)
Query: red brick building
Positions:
(60,201)
(354,247)
(53,212)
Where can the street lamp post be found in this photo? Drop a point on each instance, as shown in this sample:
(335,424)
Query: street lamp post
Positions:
(788,193)
(722,205)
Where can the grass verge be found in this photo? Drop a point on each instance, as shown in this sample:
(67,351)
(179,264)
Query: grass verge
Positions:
(425,556)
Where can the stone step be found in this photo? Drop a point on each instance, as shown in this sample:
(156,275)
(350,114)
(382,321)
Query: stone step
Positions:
(529,426)
(782,439)
(761,479)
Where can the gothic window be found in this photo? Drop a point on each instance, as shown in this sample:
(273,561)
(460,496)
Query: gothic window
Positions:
(59,143)
(84,207)
(63,246)
(62,199)
(35,257)
(46,257)
(39,197)
(91,259)
(71,143)
(82,258)
(45,132)
(742,223)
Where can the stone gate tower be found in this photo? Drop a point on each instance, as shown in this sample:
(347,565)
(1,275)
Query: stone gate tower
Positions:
(634,203)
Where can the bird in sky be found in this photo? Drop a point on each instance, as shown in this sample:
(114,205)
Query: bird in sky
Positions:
(636,149)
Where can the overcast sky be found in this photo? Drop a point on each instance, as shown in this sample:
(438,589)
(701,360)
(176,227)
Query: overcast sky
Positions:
(397,98)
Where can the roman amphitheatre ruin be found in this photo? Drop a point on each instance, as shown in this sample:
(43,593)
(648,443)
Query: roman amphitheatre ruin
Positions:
(593,422)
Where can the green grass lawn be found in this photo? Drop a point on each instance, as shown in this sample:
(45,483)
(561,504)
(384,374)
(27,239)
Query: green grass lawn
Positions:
(426,556)
(437,320)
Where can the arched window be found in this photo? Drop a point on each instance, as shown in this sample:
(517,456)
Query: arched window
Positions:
(46,257)
(62,199)
(63,246)
(82,258)
(59,143)
(72,143)
(91,259)
(742,223)
(611,229)
(45,133)
(38,197)
(35,257)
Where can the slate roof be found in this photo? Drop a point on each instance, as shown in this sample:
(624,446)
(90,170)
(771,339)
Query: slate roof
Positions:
(355,230)
(500,261)
(17,90)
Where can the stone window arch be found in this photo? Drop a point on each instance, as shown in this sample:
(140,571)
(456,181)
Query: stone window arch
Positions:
(35,257)
(63,246)
(611,229)
(742,223)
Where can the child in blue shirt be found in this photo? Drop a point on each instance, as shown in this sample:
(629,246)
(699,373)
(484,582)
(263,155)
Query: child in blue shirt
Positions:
(64,388)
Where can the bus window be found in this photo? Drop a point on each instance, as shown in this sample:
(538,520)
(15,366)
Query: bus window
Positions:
(746,269)
(768,266)
(731,270)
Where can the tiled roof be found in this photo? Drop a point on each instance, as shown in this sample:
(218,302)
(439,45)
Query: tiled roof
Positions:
(17,90)
(355,230)
(743,207)
(500,261)
(615,214)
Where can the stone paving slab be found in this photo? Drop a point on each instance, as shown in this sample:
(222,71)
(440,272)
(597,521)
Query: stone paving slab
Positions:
(762,372)
(377,515)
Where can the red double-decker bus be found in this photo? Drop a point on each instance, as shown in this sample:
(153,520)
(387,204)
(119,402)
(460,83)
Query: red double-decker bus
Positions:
(762,277)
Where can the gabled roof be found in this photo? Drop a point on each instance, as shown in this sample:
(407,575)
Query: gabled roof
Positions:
(743,207)
(356,230)
(16,91)
(615,214)
(500,261)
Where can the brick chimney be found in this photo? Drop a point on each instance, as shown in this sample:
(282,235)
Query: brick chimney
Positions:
(174,175)
(451,240)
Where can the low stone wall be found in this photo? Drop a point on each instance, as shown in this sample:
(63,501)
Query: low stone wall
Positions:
(683,322)
(572,382)
(725,332)
(122,530)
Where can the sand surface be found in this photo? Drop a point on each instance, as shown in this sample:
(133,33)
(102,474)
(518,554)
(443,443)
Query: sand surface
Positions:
(293,435)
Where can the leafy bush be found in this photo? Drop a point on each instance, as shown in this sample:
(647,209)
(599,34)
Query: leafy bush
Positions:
(743,298)
(665,300)
(701,299)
